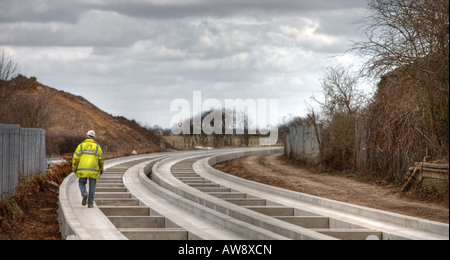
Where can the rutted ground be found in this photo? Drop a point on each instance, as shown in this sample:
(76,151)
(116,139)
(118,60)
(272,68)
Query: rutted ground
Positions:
(274,170)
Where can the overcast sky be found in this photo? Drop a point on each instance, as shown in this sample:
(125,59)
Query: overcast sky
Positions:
(132,58)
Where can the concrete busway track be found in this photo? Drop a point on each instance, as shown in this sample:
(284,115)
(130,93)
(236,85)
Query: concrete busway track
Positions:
(180,196)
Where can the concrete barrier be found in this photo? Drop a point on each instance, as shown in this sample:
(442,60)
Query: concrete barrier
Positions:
(403,221)
(260,226)
(234,209)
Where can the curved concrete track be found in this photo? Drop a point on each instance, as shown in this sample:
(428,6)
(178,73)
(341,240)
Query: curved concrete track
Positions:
(179,196)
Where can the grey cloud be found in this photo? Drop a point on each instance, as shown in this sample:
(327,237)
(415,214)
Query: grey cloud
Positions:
(41,11)
(94,28)
(147,54)
(117,23)
(70,11)
(223,8)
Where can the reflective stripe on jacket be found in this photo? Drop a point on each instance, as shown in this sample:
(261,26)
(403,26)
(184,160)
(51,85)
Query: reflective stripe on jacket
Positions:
(88,160)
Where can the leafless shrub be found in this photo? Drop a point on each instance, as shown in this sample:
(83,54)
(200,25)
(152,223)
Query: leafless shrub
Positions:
(407,46)
(342,103)
(59,144)
(27,110)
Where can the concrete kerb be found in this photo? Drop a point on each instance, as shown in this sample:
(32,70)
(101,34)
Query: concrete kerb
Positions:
(70,226)
(438,228)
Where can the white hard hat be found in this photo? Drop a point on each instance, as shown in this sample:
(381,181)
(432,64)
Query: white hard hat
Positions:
(91,133)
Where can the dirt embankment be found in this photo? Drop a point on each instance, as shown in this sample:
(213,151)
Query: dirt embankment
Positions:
(65,116)
(31,212)
(274,170)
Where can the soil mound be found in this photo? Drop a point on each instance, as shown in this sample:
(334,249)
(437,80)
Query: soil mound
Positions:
(67,118)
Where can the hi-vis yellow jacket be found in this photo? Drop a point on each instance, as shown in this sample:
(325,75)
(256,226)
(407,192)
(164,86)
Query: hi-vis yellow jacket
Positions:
(88,160)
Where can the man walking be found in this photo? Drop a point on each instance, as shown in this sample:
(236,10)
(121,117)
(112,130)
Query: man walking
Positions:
(88,163)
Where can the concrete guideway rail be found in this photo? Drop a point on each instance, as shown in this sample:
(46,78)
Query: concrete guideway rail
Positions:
(180,196)
(120,214)
(343,218)
(78,222)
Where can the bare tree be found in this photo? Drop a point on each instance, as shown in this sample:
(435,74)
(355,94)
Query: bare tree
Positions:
(340,92)
(8,70)
(412,37)
(407,46)
(8,67)
(341,104)
(401,32)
